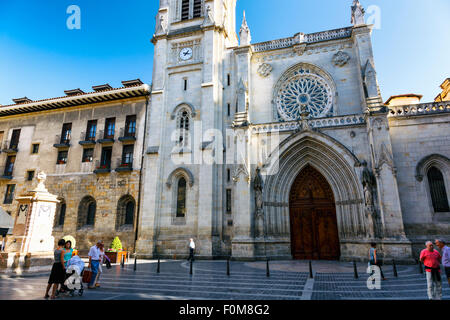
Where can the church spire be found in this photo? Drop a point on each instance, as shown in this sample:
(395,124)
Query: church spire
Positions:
(357,14)
(244,33)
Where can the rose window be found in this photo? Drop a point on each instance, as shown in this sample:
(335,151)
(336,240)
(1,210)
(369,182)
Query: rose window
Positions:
(304,91)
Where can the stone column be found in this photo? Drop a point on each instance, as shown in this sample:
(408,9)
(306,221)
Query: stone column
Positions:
(32,243)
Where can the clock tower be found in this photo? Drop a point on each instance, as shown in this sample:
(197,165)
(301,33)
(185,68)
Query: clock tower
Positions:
(192,90)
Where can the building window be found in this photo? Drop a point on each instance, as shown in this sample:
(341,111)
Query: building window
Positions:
(437,190)
(228,109)
(125,212)
(228,175)
(181,198)
(127,155)
(185,9)
(9,195)
(228,200)
(130,126)
(110,127)
(185,84)
(228,79)
(10,160)
(183,127)
(197,8)
(62,157)
(35,148)
(15,139)
(88,155)
(86,212)
(105,162)
(30,175)
(61,214)
(66,133)
(91,130)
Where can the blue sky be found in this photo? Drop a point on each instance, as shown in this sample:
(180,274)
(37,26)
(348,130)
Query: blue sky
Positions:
(40,57)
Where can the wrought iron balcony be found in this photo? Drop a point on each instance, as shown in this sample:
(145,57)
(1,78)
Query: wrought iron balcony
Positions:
(127,135)
(11,147)
(124,165)
(102,168)
(62,142)
(6,172)
(87,139)
(106,137)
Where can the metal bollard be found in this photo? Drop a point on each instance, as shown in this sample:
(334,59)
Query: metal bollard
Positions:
(395,268)
(267,268)
(190,271)
(228,267)
(135,263)
(123,261)
(420,267)
(355,270)
(158,269)
(310,270)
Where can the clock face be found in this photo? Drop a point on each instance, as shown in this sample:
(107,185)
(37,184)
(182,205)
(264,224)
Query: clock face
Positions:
(186,54)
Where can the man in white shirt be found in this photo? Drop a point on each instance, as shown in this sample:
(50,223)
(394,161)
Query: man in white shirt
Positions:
(191,249)
(94,262)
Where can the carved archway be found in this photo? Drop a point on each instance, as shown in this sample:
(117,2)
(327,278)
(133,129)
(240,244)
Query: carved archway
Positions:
(335,163)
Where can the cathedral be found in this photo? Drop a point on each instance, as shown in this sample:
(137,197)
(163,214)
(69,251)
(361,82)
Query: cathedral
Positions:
(283,149)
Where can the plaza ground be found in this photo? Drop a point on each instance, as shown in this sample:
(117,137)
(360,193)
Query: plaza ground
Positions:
(289,280)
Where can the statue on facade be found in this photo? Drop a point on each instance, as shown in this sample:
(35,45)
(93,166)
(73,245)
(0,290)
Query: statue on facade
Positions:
(357,14)
(369,183)
(258,187)
(209,19)
(161,25)
(41,178)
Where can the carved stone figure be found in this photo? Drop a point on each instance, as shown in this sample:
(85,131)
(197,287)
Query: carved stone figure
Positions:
(161,27)
(41,177)
(209,19)
(357,13)
(259,204)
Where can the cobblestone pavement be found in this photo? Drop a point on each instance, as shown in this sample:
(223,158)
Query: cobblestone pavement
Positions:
(248,281)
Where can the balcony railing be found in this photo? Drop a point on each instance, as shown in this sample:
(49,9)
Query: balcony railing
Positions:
(420,109)
(11,146)
(62,141)
(124,165)
(86,139)
(106,137)
(6,172)
(102,168)
(127,135)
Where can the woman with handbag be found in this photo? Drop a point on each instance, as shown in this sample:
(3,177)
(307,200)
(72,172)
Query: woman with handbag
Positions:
(103,258)
(58,273)
(376,260)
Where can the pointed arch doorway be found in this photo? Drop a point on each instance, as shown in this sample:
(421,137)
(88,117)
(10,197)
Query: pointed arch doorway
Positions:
(314,231)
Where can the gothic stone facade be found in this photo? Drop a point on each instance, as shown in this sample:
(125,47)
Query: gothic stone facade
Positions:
(92,167)
(317,95)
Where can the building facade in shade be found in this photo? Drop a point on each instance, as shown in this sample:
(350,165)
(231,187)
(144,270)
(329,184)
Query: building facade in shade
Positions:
(284,149)
(90,146)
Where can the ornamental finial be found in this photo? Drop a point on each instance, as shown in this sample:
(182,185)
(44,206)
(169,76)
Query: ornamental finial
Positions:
(244,33)
(357,14)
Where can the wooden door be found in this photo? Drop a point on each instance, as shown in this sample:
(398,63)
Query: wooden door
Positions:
(314,229)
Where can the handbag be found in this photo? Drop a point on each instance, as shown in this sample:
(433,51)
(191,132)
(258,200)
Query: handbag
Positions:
(87,275)
(108,264)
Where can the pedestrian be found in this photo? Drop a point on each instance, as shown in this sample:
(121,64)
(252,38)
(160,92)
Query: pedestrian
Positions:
(432,262)
(191,249)
(68,252)
(445,252)
(57,275)
(100,270)
(375,258)
(94,262)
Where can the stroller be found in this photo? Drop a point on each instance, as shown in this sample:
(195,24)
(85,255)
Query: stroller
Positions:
(74,276)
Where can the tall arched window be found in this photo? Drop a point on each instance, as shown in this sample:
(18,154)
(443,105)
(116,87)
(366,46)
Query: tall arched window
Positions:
(181,198)
(125,212)
(60,213)
(437,190)
(86,212)
(184,121)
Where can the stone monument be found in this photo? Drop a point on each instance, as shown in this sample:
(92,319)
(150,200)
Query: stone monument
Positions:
(31,245)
